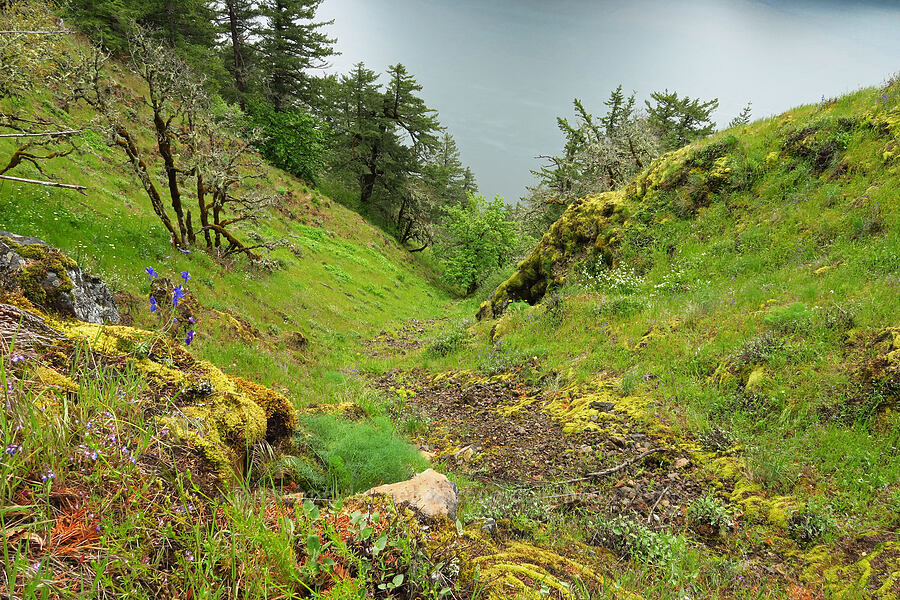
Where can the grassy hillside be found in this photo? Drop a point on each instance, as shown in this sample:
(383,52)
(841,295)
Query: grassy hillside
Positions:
(737,303)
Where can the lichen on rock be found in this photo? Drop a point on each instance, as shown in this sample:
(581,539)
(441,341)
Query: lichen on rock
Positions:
(51,280)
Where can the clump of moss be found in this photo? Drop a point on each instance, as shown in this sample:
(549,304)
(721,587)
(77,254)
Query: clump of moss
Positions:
(281,417)
(44,279)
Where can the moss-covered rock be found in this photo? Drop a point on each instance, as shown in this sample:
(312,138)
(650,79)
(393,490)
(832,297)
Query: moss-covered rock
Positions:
(49,279)
(221,416)
(588,225)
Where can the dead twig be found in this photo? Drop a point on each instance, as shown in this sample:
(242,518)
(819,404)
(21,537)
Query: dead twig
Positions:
(658,500)
(605,473)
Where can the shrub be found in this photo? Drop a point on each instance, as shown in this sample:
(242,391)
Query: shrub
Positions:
(709,516)
(633,539)
(810,524)
(293,140)
(357,456)
(451,340)
(789,319)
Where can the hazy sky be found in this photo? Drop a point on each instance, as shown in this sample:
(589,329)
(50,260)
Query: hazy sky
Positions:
(500,71)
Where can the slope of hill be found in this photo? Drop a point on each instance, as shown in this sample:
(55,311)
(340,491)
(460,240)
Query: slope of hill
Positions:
(734,312)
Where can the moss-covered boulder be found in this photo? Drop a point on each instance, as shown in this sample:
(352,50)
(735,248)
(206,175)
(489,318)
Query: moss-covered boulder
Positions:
(220,416)
(52,281)
(590,224)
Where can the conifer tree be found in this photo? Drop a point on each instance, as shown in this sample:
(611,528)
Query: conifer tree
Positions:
(291,44)
(679,121)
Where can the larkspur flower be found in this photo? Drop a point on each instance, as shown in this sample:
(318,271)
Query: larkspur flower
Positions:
(151,273)
(153,305)
(185,275)
(11,449)
(189,338)
(16,358)
(177,294)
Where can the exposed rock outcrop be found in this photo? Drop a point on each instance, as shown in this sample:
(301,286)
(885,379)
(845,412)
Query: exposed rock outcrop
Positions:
(52,281)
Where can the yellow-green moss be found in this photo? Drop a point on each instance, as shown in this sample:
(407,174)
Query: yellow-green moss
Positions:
(588,224)
(54,379)
(281,417)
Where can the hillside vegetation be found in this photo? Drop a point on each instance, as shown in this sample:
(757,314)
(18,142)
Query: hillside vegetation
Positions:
(737,302)
(688,388)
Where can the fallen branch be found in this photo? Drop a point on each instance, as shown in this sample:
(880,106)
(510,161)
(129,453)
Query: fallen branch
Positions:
(607,472)
(41,134)
(35,32)
(68,186)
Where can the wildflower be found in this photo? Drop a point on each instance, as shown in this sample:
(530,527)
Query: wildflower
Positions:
(99,528)
(10,387)
(15,358)
(189,338)
(185,275)
(153,305)
(151,273)
(189,556)
(11,449)
(48,476)
(184,250)
(177,294)
(192,320)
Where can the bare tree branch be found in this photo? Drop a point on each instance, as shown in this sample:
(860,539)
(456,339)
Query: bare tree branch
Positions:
(42,134)
(67,186)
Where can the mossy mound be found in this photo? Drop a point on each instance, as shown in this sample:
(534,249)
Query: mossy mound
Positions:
(677,184)
(589,224)
(220,416)
(518,569)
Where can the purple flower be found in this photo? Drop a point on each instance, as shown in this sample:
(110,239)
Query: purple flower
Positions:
(49,475)
(151,273)
(15,358)
(12,449)
(184,250)
(185,275)
(153,305)
(192,320)
(177,294)
(189,338)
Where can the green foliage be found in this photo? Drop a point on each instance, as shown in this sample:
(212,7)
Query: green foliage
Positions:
(292,139)
(450,340)
(359,455)
(710,515)
(679,121)
(477,238)
(743,118)
(635,540)
(811,524)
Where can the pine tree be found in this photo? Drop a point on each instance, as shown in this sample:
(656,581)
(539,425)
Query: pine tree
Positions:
(236,18)
(743,117)
(679,121)
(291,44)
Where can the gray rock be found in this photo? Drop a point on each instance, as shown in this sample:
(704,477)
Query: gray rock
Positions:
(88,300)
(489,526)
